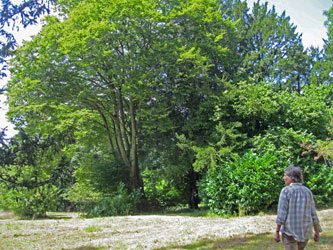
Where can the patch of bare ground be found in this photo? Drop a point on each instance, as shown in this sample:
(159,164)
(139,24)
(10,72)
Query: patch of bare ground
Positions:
(132,232)
(6,214)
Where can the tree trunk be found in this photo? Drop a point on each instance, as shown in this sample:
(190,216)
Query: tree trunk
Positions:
(194,195)
(134,168)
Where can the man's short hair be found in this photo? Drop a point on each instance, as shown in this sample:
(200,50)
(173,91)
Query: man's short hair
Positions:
(295,173)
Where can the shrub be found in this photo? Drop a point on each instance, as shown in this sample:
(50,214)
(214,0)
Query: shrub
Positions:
(160,190)
(32,202)
(320,181)
(243,185)
(3,197)
(82,192)
(121,203)
(96,204)
(288,145)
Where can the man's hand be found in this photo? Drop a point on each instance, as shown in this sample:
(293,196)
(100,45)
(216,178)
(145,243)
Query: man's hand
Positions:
(277,237)
(316,236)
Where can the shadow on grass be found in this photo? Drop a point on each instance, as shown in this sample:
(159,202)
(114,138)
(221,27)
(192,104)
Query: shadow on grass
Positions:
(9,215)
(85,248)
(56,217)
(256,242)
(62,215)
(201,212)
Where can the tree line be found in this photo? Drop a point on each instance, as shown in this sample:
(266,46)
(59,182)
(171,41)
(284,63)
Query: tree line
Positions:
(131,105)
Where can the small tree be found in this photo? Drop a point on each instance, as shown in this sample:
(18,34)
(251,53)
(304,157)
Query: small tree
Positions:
(28,172)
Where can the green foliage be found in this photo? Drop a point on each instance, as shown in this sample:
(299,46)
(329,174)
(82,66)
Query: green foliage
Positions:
(62,177)
(34,166)
(285,142)
(226,140)
(82,192)
(256,106)
(272,49)
(288,143)
(322,73)
(289,146)
(261,106)
(3,197)
(243,185)
(160,190)
(167,167)
(15,15)
(323,148)
(120,204)
(133,64)
(92,229)
(97,204)
(319,178)
(123,77)
(30,202)
(309,111)
(99,189)
(98,166)
(252,183)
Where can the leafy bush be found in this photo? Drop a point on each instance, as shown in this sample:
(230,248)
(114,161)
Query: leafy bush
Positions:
(160,190)
(3,197)
(259,106)
(287,145)
(309,111)
(100,168)
(82,191)
(31,202)
(95,204)
(121,203)
(320,181)
(243,185)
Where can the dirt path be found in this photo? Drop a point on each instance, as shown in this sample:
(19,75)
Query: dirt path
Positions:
(132,232)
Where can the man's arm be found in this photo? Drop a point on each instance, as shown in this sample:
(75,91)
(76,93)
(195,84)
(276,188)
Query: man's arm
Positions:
(277,233)
(315,220)
(316,235)
(281,213)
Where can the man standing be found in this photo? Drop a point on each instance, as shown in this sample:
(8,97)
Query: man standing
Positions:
(296,212)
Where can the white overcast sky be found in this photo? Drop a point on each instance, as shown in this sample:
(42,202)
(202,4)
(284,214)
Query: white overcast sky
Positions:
(307,15)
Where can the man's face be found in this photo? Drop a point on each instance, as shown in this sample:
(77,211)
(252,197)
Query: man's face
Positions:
(287,180)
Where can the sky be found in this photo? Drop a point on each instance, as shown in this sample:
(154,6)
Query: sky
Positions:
(306,15)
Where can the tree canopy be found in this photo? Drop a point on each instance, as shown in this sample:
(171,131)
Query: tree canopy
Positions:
(159,96)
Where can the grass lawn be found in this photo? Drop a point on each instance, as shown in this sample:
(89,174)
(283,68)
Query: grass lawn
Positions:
(253,242)
(66,231)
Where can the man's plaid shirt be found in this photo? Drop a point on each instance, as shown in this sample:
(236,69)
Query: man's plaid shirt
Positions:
(296,211)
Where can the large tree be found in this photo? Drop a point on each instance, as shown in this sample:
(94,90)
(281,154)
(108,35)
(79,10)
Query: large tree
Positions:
(113,70)
(267,46)
(322,72)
